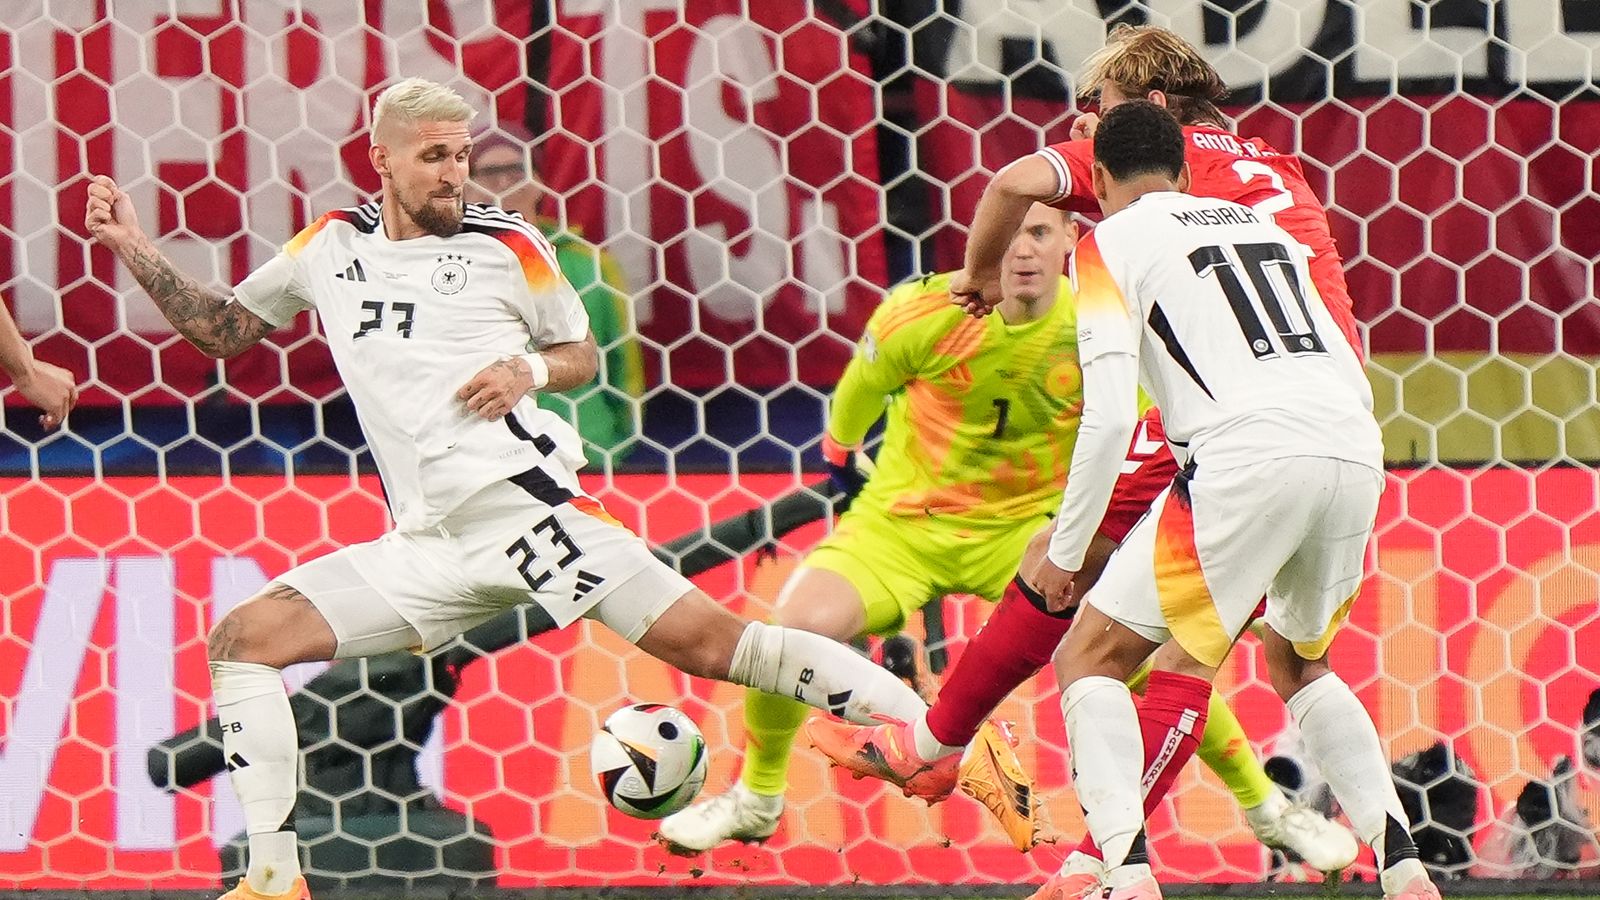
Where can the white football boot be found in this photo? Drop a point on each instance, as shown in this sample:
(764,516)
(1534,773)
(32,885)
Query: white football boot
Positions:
(1325,845)
(740,814)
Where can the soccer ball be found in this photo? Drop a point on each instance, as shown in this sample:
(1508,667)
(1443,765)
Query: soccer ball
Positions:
(649,759)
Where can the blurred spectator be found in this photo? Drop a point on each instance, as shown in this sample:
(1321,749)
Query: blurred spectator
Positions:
(1545,834)
(505,171)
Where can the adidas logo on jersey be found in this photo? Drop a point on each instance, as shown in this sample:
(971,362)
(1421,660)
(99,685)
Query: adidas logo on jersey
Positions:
(354,272)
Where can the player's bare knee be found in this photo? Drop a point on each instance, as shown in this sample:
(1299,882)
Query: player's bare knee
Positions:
(822,602)
(277,627)
(228,640)
(695,635)
(1286,668)
(713,657)
(1099,645)
(1173,658)
(832,618)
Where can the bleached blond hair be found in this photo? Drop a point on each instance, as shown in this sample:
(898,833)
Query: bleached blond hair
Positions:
(419,100)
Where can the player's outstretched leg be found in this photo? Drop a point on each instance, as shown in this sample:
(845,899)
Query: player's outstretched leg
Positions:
(1013,645)
(817,600)
(702,638)
(1340,738)
(247,650)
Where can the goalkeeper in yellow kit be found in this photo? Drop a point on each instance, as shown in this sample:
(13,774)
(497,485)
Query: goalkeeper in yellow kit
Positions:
(982,418)
(982,414)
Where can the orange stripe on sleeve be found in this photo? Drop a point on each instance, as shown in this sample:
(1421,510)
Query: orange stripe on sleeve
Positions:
(962,341)
(538,265)
(910,311)
(1097,291)
(299,241)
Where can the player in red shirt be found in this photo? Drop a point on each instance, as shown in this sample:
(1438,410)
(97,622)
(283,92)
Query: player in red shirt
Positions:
(1155,64)
(1137,62)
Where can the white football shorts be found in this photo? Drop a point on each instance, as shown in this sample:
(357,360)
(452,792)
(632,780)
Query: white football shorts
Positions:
(1294,529)
(527,539)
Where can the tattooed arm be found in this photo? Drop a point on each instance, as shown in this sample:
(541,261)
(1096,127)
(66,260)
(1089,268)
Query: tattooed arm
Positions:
(217,327)
(573,364)
(496,389)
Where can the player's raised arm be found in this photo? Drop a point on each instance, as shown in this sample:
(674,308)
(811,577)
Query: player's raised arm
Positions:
(51,388)
(206,318)
(1005,203)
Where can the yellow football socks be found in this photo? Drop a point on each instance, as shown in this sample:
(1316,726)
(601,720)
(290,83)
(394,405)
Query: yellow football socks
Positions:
(770,723)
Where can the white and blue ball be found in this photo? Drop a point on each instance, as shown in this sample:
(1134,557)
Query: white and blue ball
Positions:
(649,760)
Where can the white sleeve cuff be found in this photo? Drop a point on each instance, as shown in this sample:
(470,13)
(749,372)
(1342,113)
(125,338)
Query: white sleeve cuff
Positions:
(1063,174)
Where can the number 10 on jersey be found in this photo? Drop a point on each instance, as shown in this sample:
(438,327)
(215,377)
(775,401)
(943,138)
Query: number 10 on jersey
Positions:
(1292,323)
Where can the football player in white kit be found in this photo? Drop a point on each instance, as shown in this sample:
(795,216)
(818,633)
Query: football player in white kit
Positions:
(1210,307)
(444,319)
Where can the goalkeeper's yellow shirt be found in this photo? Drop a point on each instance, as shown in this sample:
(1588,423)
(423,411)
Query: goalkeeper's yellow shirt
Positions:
(981,416)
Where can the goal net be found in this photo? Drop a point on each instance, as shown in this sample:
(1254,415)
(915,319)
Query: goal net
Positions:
(735,183)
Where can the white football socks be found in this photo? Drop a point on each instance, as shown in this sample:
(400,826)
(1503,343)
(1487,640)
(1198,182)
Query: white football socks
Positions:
(1107,760)
(1338,735)
(259,744)
(820,672)
(930,748)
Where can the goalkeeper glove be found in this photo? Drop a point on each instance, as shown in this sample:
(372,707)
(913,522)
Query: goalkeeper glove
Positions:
(848,469)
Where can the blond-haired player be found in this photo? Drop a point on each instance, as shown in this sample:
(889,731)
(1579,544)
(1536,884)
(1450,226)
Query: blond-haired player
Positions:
(444,319)
(1135,62)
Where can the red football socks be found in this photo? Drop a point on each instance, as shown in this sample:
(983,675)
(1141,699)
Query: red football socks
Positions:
(1172,717)
(1016,642)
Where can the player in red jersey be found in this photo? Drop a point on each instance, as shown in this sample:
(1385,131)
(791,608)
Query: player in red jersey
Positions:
(1156,64)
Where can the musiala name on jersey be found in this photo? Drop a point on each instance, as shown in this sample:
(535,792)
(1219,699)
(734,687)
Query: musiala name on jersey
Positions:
(1219,215)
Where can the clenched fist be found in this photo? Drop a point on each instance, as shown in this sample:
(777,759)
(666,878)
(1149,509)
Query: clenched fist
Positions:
(1084,127)
(978,296)
(109,216)
(52,389)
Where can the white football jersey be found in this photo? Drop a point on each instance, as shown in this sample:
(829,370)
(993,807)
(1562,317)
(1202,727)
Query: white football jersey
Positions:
(409,322)
(1233,342)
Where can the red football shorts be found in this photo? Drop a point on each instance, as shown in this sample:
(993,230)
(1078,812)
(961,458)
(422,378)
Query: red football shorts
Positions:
(1147,471)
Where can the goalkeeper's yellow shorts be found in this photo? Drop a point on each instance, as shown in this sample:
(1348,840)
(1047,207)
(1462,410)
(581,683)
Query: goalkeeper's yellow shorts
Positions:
(899,563)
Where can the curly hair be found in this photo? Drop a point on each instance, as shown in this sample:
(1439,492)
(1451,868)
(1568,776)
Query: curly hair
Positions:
(1139,138)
